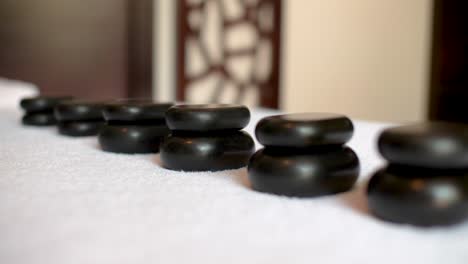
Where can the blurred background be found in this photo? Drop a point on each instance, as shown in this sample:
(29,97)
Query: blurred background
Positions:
(391,61)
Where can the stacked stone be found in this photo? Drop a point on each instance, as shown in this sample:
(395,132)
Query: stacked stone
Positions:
(40,110)
(133,126)
(426,180)
(207,138)
(79,118)
(304,155)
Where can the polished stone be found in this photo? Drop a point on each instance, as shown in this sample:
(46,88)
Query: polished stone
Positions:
(135,110)
(207,152)
(42,103)
(431,145)
(79,110)
(132,138)
(420,197)
(207,117)
(303,174)
(304,130)
(39,119)
(80,128)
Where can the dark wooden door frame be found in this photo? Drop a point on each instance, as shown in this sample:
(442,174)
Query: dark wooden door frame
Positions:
(449,63)
(59,56)
(140,48)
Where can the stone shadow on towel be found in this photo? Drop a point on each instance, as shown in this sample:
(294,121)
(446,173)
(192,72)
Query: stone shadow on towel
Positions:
(241,177)
(356,199)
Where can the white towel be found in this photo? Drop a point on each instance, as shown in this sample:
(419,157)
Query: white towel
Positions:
(11,92)
(62,200)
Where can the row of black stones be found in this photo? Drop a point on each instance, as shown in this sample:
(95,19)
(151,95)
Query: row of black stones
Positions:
(304,155)
(426,181)
(40,110)
(207,138)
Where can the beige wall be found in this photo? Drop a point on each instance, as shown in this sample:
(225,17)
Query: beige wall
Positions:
(164,39)
(365,58)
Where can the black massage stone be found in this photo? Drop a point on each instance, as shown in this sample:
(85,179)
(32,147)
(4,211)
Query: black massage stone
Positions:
(135,110)
(185,152)
(304,130)
(207,117)
(42,103)
(304,155)
(133,126)
(40,110)
(422,197)
(131,139)
(80,128)
(303,173)
(207,138)
(431,145)
(79,110)
(39,119)
(79,118)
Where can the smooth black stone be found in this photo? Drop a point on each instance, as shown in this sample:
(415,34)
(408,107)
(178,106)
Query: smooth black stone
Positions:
(304,130)
(79,110)
(42,103)
(207,117)
(304,174)
(135,110)
(431,145)
(80,128)
(207,153)
(417,198)
(39,119)
(132,138)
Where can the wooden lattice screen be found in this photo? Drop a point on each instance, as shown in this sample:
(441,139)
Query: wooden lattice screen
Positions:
(229,51)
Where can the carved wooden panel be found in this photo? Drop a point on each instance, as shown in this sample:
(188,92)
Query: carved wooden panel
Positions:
(229,51)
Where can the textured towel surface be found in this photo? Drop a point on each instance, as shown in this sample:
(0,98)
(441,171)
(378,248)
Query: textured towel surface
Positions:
(62,200)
